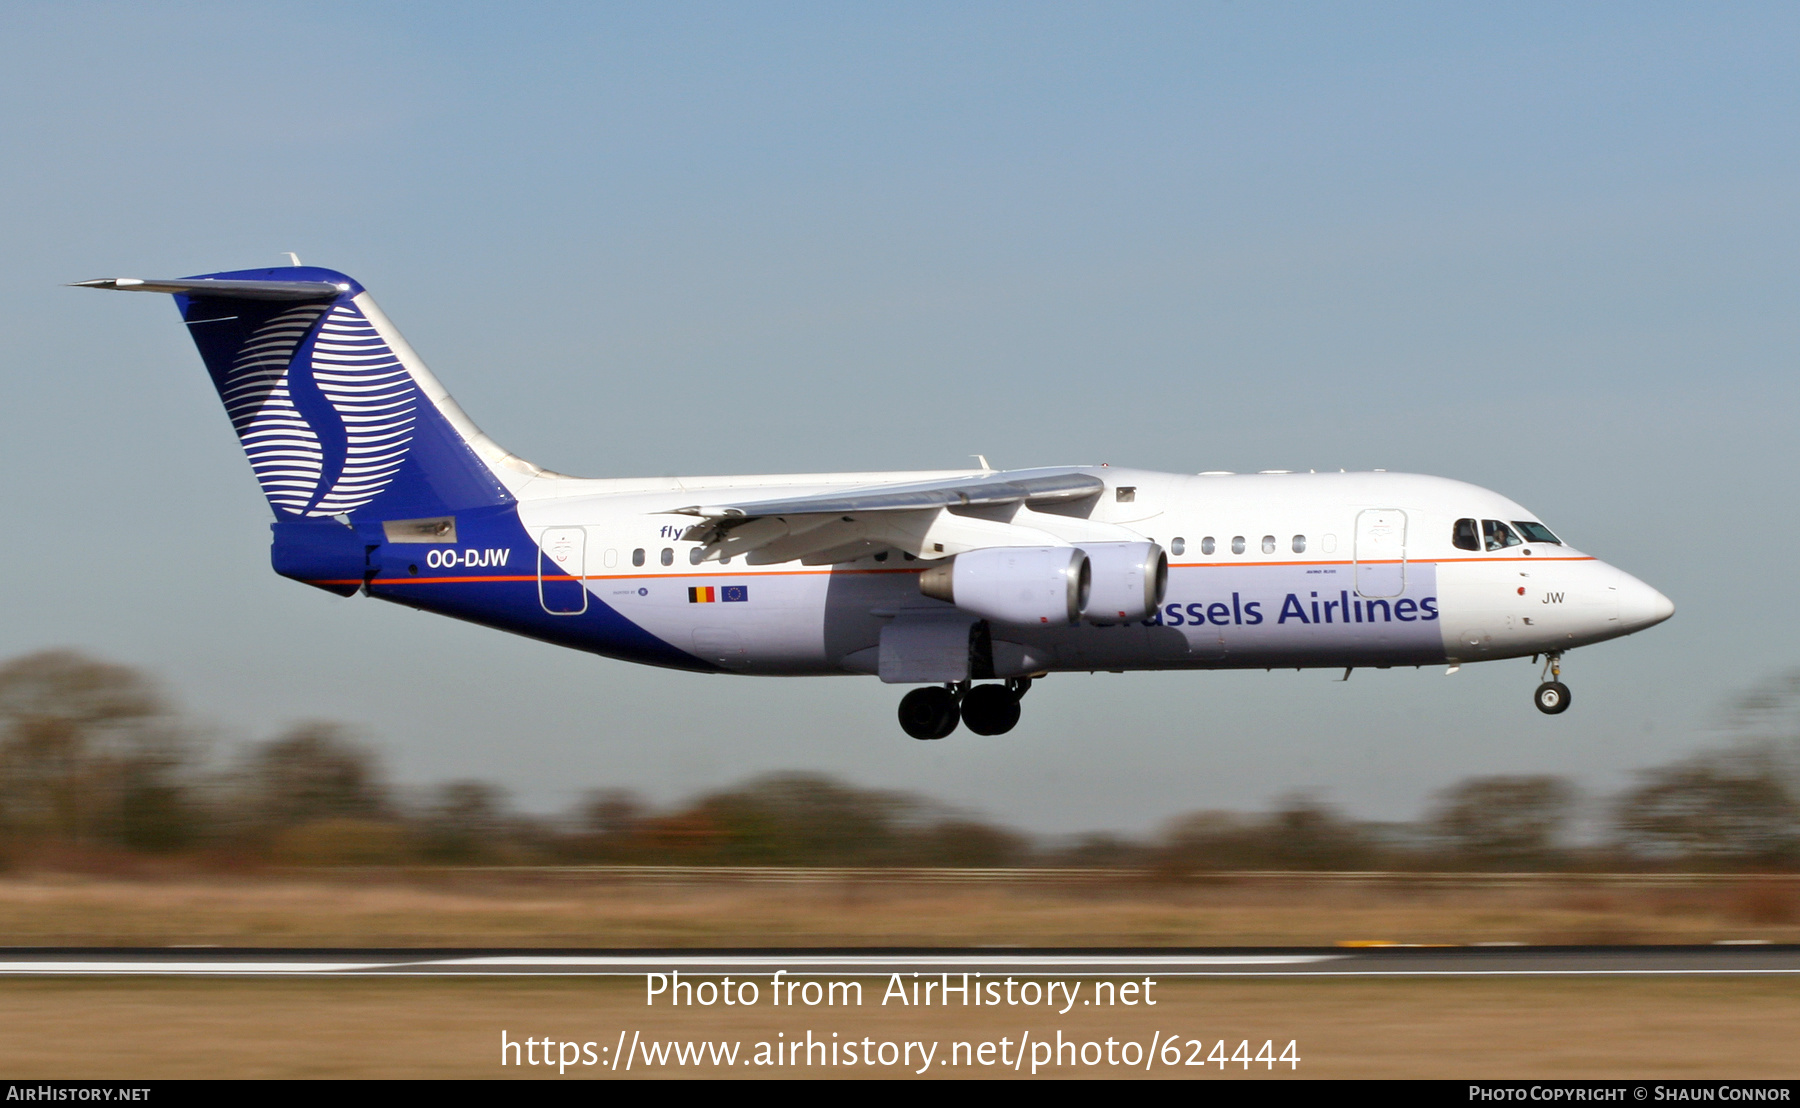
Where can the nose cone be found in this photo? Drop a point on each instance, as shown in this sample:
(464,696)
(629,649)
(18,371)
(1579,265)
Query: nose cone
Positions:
(1641,606)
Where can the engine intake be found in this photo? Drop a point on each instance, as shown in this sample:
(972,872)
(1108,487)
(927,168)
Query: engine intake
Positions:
(1130,579)
(1014,584)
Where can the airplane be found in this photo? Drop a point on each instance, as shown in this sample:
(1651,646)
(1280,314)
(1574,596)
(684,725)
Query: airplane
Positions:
(967,583)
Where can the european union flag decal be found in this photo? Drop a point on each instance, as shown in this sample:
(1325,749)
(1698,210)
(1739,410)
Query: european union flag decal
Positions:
(734,592)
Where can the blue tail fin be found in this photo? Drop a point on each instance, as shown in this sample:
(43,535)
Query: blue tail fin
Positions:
(341,421)
(336,413)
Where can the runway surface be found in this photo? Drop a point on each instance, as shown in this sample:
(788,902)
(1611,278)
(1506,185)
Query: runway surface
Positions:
(1723,959)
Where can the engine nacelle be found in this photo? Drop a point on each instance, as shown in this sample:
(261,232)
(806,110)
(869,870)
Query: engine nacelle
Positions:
(1130,579)
(1014,584)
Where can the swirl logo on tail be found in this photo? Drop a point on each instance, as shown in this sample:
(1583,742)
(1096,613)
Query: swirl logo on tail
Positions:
(326,423)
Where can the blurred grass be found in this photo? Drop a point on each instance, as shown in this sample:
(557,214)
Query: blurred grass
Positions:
(450,1027)
(493,908)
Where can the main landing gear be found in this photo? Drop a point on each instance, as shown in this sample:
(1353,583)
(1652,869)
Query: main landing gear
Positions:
(1552,697)
(933,712)
(929,713)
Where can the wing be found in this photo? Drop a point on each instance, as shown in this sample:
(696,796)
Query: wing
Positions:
(932,519)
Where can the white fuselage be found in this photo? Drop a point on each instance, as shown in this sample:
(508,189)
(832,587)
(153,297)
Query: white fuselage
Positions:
(1274,569)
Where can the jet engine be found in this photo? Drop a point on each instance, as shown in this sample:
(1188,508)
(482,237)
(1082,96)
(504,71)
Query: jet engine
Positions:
(1130,579)
(1014,584)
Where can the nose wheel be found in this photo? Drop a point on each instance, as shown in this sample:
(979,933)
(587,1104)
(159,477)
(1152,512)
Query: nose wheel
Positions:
(1552,697)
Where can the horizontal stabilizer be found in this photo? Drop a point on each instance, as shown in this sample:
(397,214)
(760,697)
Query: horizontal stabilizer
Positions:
(243,290)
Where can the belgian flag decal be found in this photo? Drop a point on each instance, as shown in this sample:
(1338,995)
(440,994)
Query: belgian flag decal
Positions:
(709,594)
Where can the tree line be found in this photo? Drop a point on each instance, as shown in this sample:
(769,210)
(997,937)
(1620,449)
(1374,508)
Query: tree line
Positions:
(93,758)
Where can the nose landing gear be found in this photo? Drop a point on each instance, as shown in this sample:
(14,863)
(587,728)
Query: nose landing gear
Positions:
(932,713)
(1552,697)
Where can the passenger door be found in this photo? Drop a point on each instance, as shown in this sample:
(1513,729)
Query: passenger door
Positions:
(562,557)
(1381,552)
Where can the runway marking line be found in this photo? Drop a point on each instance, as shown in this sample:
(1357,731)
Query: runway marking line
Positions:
(778,961)
(550,965)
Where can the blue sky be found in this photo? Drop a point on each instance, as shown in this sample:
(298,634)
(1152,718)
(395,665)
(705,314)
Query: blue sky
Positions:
(1548,249)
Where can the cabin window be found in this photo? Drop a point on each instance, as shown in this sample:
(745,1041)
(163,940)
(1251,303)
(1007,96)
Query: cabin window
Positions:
(611,559)
(881,556)
(1464,536)
(1125,494)
(1328,544)
(695,555)
(668,556)
(1299,544)
(1535,532)
(1237,544)
(1268,544)
(1207,546)
(1178,545)
(637,556)
(1497,535)
(725,559)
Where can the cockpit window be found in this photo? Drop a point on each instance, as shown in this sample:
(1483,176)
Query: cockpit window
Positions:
(1535,532)
(1497,535)
(1465,536)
